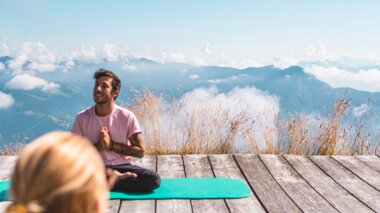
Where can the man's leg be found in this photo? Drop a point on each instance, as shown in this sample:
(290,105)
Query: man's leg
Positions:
(146,181)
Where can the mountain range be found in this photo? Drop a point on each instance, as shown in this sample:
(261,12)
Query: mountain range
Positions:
(36,111)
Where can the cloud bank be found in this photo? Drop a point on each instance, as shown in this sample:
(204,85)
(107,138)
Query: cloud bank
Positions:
(366,80)
(130,67)
(259,105)
(40,57)
(32,57)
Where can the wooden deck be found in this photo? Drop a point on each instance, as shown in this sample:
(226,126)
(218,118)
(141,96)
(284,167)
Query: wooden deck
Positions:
(279,183)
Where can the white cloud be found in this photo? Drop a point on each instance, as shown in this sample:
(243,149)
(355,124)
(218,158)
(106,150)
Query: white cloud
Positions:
(258,105)
(40,57)
(110,52)
(360,110)
(33,113)
(6,100)
(317,52)
(42,66)
(28,82)
(195,76)
(203,57)
(197,61)
(283,63)
(5,47)
(241,64)
(163,56)
(176,57)
(166,57)
(113,52)
(366,80)
(85,54)
(21,57)
(68,65)
(206,48)
(130,67)
(59,121)
(2,66)
(217,81)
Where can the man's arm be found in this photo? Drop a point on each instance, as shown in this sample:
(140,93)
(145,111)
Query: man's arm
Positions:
(136,149)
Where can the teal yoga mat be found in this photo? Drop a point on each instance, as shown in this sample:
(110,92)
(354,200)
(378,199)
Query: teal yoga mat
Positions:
(178,188)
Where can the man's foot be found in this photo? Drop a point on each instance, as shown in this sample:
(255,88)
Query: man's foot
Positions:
(113,176)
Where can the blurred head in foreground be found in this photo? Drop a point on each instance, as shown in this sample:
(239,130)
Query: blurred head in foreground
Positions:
(59,172)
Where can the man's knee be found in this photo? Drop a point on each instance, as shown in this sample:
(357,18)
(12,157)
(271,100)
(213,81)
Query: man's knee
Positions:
(154,182)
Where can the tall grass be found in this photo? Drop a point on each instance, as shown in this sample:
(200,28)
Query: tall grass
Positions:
(209,128)
(7,149)
(172,129)
(215,128)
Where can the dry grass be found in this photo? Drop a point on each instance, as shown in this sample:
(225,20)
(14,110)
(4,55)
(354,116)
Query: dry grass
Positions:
(173,129)
(211,129)
(11,149)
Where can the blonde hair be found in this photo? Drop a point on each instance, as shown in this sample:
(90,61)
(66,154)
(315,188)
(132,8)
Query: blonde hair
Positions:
(58,172)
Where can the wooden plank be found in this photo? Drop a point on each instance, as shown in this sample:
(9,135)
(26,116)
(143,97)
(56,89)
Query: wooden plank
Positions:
(199,166)
(371,160)
(225,166)
(271,195)
(353,184)
(327,187)
(295,186)
(6,166)
(113,206)
(142,206)
(171,166)
(360,169)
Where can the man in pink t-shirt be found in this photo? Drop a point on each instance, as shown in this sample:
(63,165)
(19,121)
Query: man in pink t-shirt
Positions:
(116,134)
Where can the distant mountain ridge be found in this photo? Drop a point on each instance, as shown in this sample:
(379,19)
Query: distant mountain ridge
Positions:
(36,111)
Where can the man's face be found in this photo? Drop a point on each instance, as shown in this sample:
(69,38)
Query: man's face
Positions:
(103,90)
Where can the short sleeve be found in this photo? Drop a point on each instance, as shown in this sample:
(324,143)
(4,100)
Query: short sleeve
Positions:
(77,127)
(133,125)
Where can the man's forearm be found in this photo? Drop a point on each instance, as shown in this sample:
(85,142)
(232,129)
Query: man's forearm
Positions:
(99,146)
(124,149)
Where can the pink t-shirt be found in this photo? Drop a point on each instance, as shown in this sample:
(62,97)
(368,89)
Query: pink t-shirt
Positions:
(121,124)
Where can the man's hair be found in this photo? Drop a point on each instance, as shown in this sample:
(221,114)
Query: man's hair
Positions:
(116,83)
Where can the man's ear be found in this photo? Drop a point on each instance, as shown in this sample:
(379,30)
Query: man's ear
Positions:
(115,93)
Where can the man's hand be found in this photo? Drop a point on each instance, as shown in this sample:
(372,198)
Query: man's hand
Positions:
(114,175)
(105,138)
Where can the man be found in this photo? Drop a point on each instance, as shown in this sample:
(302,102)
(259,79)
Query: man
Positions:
(116,134)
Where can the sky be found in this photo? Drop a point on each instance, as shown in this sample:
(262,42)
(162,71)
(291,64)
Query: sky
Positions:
(240,34)
(234,33)
(238,30)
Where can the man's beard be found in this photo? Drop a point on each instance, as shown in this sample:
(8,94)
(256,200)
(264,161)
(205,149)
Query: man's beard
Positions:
(102,100)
